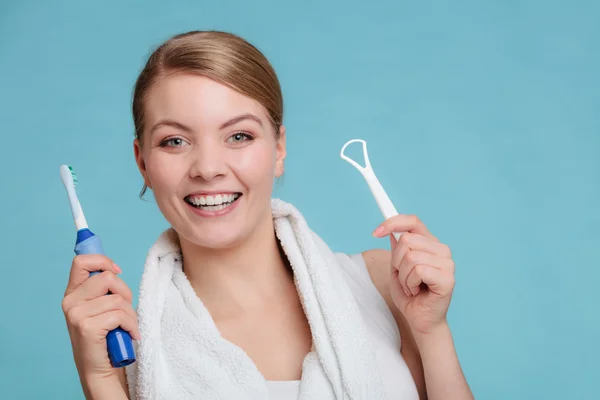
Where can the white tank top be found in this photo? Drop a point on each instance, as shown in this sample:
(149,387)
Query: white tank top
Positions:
(381,328)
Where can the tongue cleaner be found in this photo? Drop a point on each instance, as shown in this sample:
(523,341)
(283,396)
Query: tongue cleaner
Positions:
(383,201)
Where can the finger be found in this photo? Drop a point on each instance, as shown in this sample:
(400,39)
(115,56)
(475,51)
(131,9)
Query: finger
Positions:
(101,324)
(414,241)
(96,286)
(438,281)
(403,223)
(83,264)
(413,258)
(99,306)
(396,287)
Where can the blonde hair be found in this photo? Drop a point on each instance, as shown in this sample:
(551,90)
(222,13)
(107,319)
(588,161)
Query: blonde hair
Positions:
(220,56)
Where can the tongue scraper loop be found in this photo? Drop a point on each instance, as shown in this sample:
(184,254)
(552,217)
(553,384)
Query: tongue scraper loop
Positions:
(383,201)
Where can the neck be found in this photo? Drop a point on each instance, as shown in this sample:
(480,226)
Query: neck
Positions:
(242,279)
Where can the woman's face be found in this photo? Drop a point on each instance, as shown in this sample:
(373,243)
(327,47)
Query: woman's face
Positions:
(210,156)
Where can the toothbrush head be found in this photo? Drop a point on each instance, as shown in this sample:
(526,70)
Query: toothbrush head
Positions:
(68,176)
(73,175)
(69,179)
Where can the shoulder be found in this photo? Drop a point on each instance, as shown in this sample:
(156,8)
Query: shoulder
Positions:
(378,263)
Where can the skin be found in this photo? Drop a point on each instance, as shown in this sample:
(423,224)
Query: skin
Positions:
(202,136)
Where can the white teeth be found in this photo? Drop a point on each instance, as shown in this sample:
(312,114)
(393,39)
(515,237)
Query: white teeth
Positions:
(218,200)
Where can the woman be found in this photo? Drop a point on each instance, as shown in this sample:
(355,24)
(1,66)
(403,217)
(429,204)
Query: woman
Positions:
(210,139)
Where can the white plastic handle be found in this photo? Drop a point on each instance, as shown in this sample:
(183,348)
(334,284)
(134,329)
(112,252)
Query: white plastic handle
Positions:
(383,201)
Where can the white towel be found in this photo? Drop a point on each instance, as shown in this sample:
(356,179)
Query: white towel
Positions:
(183,356)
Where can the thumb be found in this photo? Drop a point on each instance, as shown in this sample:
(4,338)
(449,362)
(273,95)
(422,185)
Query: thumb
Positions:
(393,242)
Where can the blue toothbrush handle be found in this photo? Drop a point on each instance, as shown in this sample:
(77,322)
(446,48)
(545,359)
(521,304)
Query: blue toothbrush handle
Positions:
(118,341)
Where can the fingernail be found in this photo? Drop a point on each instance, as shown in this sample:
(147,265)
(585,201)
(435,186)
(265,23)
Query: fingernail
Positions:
(117,268)
(378,231)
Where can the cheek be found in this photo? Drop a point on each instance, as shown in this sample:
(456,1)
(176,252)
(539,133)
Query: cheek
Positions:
(164,171)
(255,166)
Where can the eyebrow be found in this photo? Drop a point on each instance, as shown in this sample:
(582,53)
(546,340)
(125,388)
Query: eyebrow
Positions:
(171,123)
(240,118)
(232,121)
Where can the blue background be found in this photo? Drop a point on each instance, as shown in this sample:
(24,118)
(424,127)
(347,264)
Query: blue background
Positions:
(481,118)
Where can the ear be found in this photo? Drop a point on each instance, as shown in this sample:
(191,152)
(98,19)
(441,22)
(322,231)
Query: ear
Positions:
(281,153)
(139,159)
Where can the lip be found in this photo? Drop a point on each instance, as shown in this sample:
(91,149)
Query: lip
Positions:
(218,213)
(211,193)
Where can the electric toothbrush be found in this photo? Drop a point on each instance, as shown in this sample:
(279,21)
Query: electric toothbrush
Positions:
(118,341)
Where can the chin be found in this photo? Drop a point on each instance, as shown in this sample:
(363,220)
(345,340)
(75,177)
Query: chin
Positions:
(218,244)
(218,240)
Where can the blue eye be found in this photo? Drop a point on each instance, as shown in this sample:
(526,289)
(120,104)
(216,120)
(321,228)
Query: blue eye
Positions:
(240,137)
(173,142)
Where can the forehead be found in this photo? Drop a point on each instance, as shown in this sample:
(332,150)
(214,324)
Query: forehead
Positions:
(197,101)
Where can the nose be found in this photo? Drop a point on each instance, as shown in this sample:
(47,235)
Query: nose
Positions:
(207,162)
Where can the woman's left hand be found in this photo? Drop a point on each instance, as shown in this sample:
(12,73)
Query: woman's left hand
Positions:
(422,273)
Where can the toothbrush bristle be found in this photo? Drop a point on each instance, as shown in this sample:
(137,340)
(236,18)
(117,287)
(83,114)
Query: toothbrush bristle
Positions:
(73,174)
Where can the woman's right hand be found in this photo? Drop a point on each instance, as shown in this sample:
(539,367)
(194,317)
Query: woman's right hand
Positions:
(91,313)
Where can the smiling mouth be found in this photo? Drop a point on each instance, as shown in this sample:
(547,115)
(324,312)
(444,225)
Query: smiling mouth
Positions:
(212,202)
